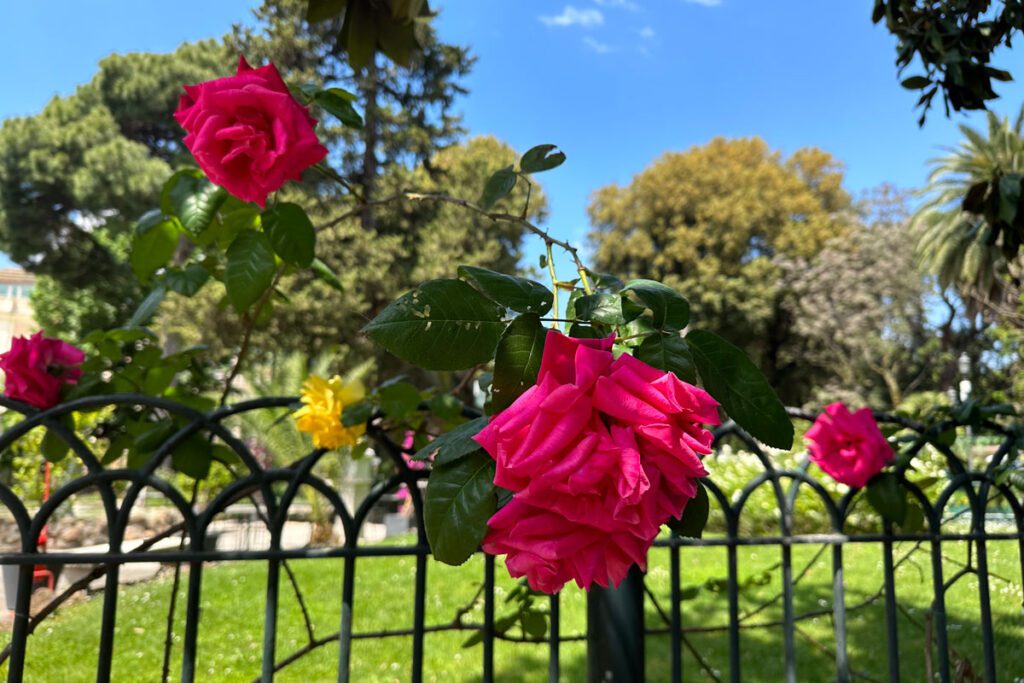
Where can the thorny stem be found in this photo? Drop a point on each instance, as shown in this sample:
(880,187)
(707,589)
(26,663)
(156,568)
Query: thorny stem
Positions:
(494,216)
(554,284)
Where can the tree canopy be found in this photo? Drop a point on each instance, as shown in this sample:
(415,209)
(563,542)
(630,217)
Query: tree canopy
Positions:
(712,221)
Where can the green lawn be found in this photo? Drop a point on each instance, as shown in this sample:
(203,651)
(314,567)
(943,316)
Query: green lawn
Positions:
(64,649)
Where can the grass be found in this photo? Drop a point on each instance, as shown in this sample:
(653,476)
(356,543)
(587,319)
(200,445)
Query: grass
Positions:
(230,640)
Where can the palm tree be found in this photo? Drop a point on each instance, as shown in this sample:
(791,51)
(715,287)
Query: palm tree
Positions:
(970,230)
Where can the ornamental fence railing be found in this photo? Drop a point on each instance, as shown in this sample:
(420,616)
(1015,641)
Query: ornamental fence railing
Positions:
(794,579)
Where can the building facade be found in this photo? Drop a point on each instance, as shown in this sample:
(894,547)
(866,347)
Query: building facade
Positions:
(15,306)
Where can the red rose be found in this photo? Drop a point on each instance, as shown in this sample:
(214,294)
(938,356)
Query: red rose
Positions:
(36,368)
(849,447)
(248,133)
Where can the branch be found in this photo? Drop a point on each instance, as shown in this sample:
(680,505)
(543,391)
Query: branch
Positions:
(250,326)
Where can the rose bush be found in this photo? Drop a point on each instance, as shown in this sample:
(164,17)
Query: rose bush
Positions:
(36,368)
(248,133)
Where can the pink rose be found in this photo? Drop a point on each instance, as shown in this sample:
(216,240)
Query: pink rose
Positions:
(600,452)
(36,368)
(849,447)
(248,133)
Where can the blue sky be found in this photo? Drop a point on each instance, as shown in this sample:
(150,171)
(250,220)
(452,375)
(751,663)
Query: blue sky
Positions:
(614,82)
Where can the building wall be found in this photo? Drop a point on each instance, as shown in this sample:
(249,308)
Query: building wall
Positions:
(16,317)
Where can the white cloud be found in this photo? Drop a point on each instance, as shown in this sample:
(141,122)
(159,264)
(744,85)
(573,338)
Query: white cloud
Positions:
(647,33)
(572,16)
(624,4)
(596,45)
(705,3)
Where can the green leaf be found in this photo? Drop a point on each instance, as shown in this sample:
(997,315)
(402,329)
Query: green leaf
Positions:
(739,386)
(397,39)
(249,270)
(338,103)
(459,501)
(445,406)
(53,447)
(321,10)
(916,82)
(186,282)
(148,307)
(517,360)
(454,445)
(695,516)
(359,34)
(193,457)
(887,497)
(669,353)
(1009,197)
(324,273)
(290,233)
(534,623)
(156,239)
(498,186)
(600,308)
(586,332)
(440,325)
(519,294)
(914,520)
(539,159)
(193,199)
(670,311)
(689,593)
(399,399)
(357,414)
(158,379)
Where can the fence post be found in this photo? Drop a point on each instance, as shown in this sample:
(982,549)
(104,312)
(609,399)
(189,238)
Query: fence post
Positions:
(615,631)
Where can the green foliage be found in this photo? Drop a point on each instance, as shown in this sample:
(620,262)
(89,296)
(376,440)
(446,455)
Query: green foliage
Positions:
(156,238)
(76,176)
(541,158)
(368,27)
(519,294)
(517,360)
(498,186)
(695,516)
(971,228)
(453,445)
(291,233)
(714,223)
(954,42)
(669,311)
(249,269)
(739,386)
(888,497)
(668,352)
(460,499)
(440,325)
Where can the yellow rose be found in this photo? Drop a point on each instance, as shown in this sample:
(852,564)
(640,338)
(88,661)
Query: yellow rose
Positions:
(324,401)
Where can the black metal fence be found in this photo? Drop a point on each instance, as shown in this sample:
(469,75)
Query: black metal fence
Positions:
(768,595)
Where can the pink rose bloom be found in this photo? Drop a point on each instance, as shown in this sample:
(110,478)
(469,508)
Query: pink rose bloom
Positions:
(36,368)
(248,133)
(600,452)
(550,550)
(849,447)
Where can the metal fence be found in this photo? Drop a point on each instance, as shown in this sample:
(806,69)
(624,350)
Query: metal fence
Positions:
(751,622)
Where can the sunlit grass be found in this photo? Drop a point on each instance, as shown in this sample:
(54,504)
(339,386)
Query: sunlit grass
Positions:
(233,604)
